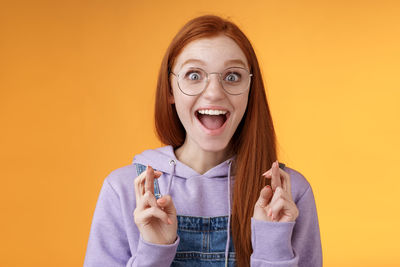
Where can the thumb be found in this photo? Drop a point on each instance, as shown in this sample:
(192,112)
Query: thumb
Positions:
(166,203)
(265,196)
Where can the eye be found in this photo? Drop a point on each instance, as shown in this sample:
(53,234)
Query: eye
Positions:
(193,75)
(233,77)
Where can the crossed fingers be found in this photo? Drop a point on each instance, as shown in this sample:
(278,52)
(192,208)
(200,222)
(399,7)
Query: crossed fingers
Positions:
(275,202)
(279,178)
(145,183)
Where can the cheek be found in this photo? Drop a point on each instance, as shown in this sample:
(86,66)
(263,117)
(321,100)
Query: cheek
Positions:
(183,106)
(241,105)
(179,103)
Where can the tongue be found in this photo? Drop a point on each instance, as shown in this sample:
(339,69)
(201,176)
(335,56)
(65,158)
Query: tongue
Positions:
(212,122)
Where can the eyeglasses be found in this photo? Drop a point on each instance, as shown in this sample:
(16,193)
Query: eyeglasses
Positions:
(192,81)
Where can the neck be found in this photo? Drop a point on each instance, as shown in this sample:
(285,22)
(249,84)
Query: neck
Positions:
(200,160)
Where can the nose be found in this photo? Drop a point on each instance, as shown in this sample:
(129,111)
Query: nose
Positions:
(214,89)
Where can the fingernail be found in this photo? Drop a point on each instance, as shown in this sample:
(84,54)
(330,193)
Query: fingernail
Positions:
(169,221)
(266,173)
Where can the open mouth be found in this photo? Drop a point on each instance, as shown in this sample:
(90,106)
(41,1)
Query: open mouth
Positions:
(212,119)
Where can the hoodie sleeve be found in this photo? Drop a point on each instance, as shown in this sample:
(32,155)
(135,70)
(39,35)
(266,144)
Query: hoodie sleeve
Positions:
(108,241)
(289,244)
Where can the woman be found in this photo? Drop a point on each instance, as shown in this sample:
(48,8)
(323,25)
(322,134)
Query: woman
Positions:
(219,170)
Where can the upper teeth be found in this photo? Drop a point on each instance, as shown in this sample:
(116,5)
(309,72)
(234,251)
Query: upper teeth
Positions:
(212,111)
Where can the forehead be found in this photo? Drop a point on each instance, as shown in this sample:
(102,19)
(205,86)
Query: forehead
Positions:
(213,53)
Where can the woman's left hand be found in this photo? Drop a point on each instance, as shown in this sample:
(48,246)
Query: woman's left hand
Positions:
(276,204)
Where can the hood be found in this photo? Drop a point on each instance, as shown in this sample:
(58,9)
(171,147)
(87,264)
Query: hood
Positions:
(164,157)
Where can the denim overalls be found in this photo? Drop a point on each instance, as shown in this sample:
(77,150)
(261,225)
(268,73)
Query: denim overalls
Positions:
(202,240)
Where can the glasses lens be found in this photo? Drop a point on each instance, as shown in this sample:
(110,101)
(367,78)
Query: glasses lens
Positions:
(192,81)
(235,80)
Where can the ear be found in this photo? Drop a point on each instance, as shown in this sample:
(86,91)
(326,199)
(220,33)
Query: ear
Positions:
(171,99)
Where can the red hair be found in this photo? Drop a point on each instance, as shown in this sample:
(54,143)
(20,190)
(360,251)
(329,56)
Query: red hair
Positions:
(254,141)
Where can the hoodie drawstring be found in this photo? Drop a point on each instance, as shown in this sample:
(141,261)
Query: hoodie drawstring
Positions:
(229,215)
(173,164)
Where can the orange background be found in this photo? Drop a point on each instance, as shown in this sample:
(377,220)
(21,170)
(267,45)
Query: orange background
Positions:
(77,82)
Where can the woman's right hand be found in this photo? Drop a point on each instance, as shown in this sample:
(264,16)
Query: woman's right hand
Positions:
(155,218)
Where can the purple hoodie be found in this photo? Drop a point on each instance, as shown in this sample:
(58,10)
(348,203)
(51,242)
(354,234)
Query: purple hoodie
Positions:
(115,240)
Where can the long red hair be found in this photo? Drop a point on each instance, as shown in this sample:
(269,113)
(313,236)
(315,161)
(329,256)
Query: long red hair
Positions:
(254,141)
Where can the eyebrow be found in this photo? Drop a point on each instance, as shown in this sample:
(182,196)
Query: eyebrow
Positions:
(227,63)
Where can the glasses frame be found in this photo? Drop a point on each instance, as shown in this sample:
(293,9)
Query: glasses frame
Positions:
(208,80)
